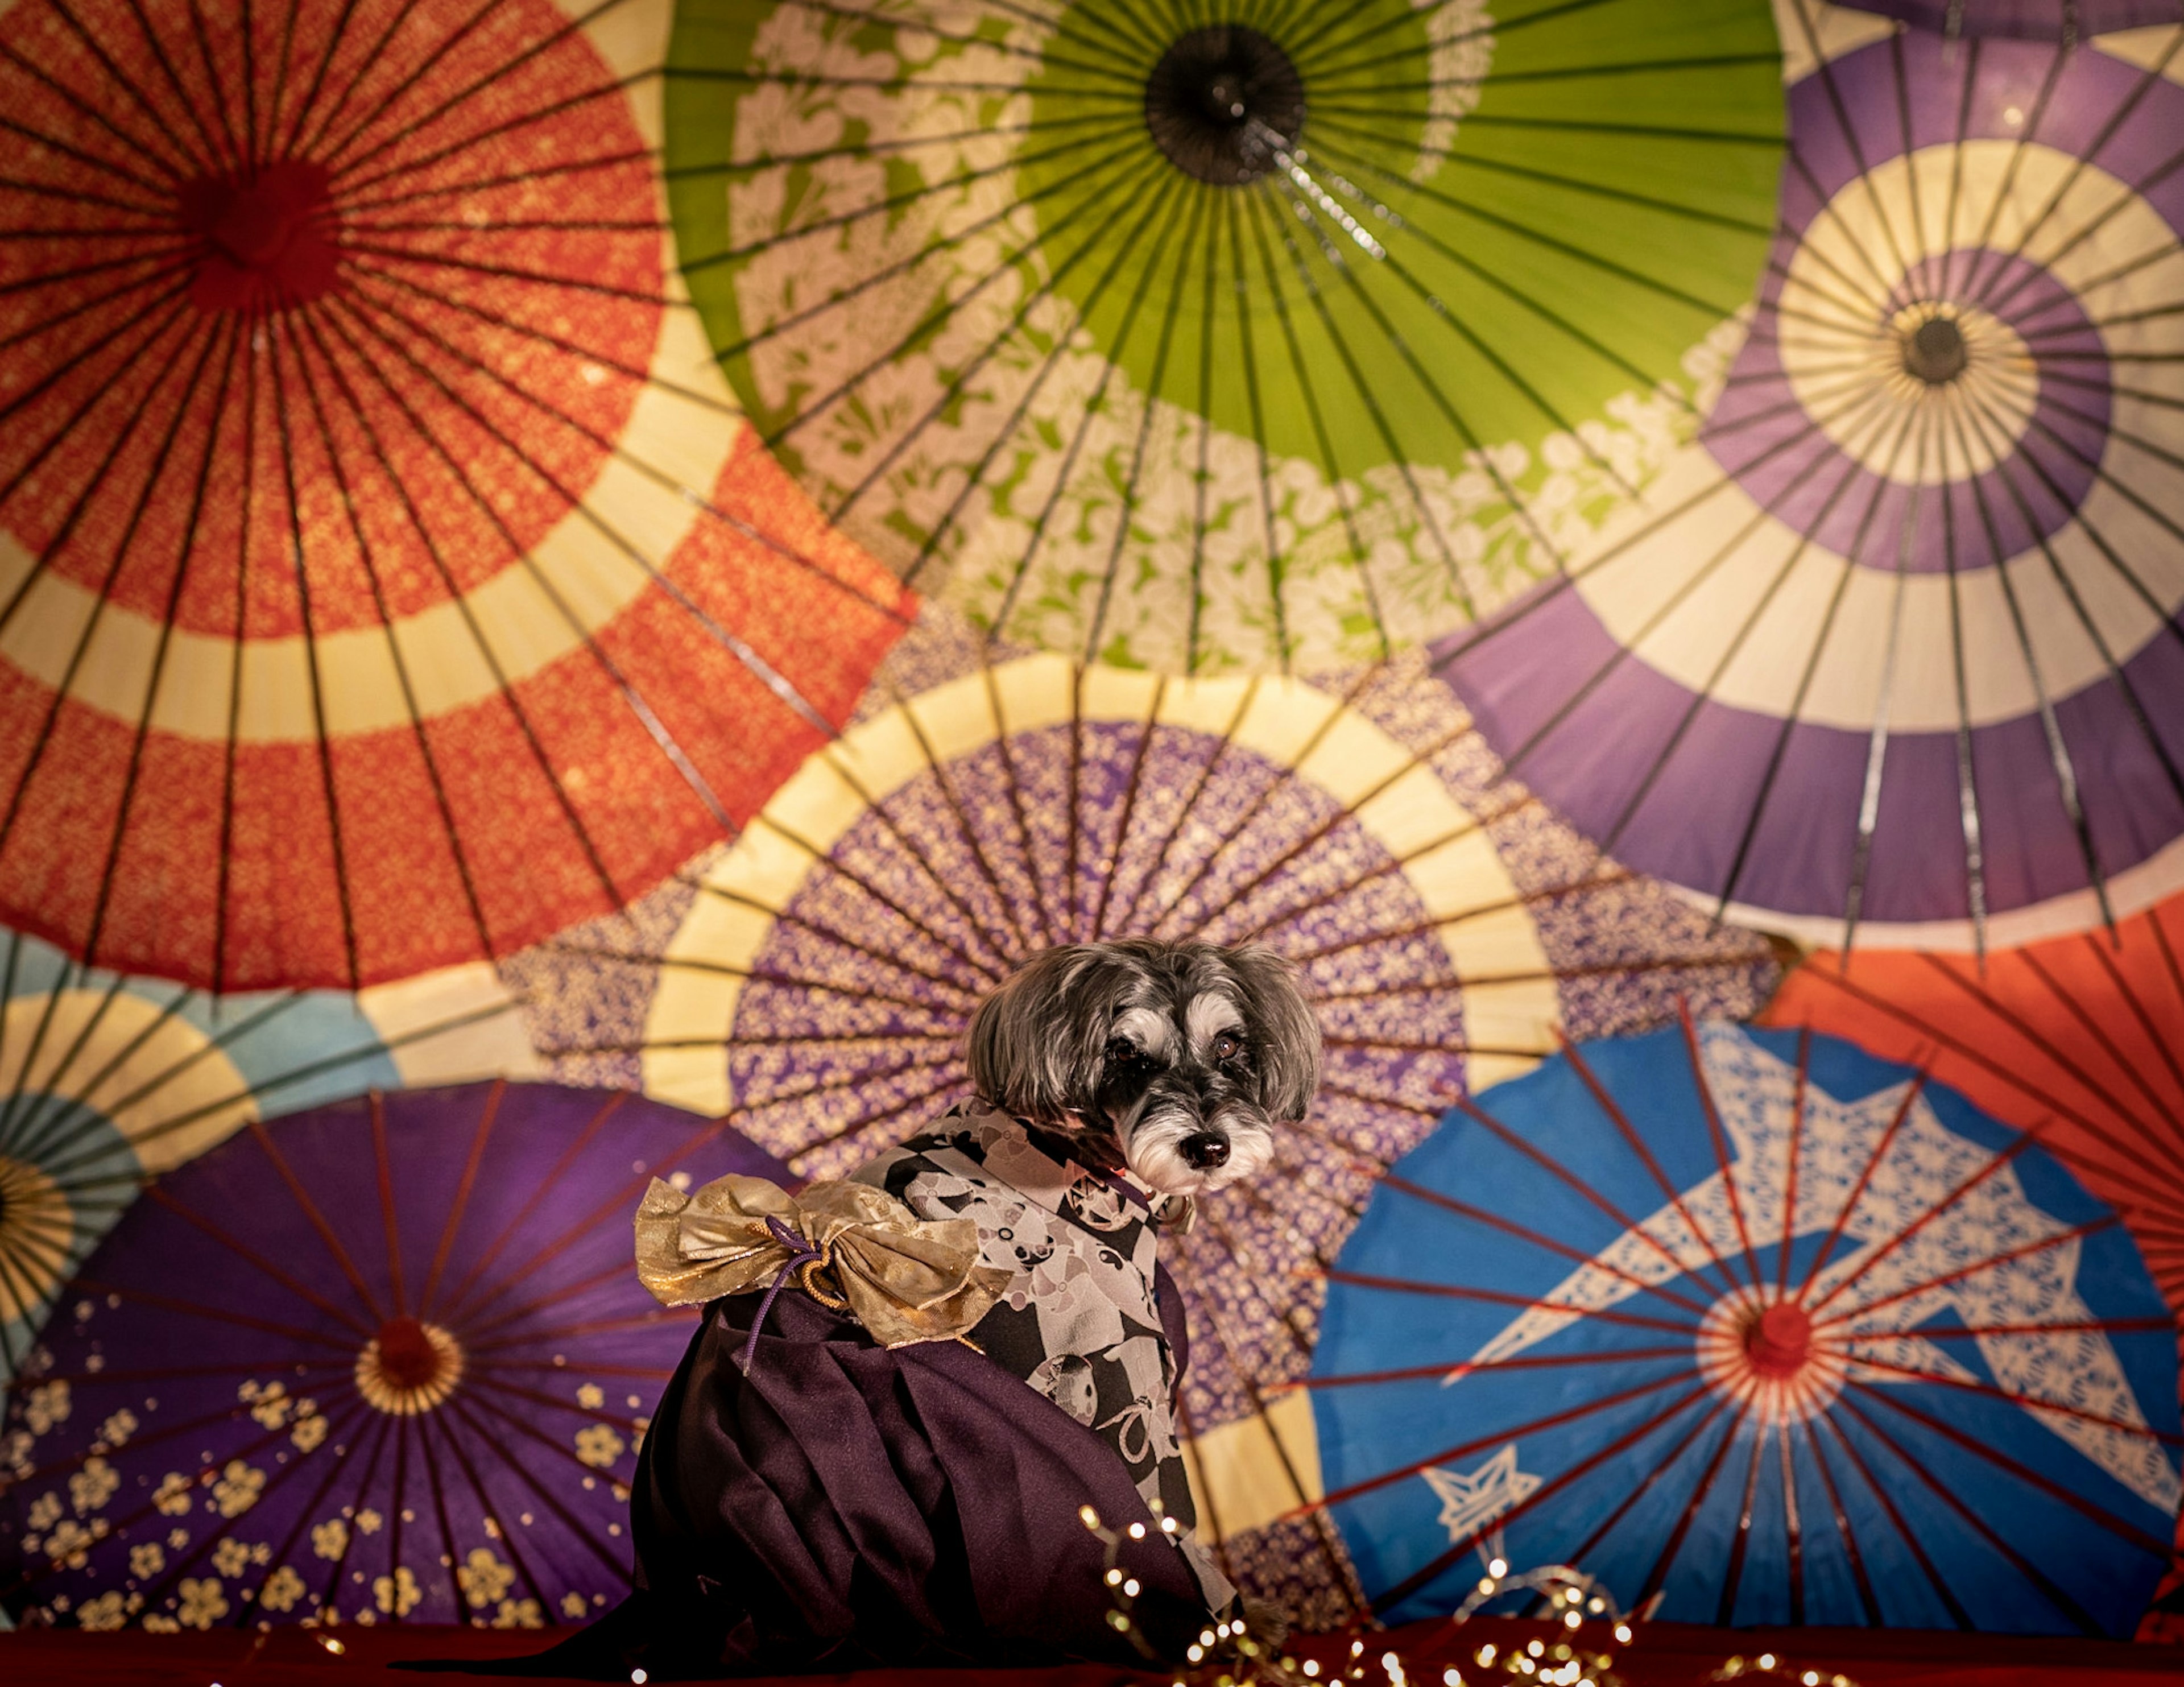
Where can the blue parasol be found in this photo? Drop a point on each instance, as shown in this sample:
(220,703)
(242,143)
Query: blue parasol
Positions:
(1568,1330)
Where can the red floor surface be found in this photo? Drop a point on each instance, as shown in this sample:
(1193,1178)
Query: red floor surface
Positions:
(1665,1654)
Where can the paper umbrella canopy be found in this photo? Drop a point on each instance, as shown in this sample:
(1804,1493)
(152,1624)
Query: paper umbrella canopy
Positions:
(2072,20)
(386,576)
(107,1079)
(2078,1040)
(384,1360)
(1269,341)
(1891,652)
(1756,1325)
(815,983)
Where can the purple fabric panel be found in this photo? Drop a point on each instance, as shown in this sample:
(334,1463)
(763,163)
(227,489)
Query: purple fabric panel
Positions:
(1830,148)
(2028,20)
(2148,143)
(2132,801)
(537,1246)
(1547,646)
(1918,856)
(1806,837)
(1715,775)
(2091,95)
(2030,850)
(1594,763)
(2090,90)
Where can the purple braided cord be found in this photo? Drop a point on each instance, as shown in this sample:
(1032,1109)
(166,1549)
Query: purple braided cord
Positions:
(801,1253)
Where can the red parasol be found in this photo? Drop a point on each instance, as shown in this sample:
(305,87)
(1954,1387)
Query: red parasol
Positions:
(387,577)
(2078,1041)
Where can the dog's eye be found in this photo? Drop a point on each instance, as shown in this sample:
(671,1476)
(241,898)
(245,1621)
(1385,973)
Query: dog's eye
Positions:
(1226,1046)
(1124,1055)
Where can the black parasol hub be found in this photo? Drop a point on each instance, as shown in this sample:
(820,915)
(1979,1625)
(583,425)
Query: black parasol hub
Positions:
(1221,100)
(1935,352)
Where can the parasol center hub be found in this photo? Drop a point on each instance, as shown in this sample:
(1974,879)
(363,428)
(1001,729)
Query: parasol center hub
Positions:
(1935,352)
(33,1211)
(410,1366)
(1760,1348)
(1221,101)
(267,239)
(1779,1341)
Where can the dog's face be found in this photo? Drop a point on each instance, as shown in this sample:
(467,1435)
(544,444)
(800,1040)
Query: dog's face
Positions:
(1183,1057)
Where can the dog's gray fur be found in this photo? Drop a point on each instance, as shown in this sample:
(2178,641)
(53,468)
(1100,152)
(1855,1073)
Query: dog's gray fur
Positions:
(1128,1044)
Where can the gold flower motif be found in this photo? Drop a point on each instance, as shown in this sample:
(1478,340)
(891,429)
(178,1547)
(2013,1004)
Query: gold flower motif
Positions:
(484,1577)
(230,1558)
(70,1541)
(46,1406)
(173,1497)
(108,1611)
(239,1488)
(397,1594)
(93,1485)
(282,1589)
(204,1602)
(270,1404)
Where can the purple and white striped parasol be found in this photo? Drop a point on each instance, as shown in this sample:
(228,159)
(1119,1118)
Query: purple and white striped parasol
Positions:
(2030,19)
(1891,648)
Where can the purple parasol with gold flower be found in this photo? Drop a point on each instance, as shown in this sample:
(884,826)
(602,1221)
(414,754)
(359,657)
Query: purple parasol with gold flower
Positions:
(386,1359)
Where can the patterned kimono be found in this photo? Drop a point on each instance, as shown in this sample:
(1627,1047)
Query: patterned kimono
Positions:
(1081,1321)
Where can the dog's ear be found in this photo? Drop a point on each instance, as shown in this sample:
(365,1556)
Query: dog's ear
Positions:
(1037,1043)
(1286,1030)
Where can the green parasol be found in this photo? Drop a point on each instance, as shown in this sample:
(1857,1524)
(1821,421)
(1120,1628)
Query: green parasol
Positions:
(1194,336)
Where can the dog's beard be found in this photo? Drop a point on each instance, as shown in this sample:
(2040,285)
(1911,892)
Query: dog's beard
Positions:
(1152,1147)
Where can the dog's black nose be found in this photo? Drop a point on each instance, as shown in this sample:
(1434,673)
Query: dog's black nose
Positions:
(1206,1150)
